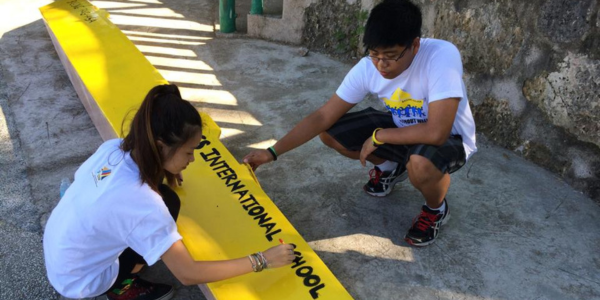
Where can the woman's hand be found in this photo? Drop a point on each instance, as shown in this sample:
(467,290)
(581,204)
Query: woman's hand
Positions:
(179,179)
(257,158)
(280,255)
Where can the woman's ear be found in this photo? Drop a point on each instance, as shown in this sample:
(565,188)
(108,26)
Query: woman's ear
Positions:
(163,149)
(160,145)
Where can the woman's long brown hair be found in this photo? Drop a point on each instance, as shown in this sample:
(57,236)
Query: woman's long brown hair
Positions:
(163,116)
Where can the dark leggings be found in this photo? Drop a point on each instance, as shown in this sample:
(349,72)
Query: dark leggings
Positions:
(129,258)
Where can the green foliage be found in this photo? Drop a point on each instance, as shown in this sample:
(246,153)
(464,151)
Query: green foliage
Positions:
(351,29)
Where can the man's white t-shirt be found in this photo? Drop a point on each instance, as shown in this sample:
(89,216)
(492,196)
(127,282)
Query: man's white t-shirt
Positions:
(435,74)
(103,212)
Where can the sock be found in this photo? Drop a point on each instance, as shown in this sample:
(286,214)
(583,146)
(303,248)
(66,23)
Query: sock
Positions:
(440,209)
(388,165)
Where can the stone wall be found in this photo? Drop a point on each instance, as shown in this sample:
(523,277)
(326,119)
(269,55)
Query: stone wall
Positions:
(532,69)
(333,26)
(287,28)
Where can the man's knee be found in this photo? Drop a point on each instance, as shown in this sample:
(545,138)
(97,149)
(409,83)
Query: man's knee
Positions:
(329,141)
(421,170)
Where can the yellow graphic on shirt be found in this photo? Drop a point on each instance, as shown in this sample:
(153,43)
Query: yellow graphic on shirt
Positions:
(408,110)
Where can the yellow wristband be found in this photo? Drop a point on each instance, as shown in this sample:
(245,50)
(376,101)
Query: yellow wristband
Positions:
(375,141)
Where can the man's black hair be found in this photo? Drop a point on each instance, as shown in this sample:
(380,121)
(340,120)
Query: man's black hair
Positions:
(391,23)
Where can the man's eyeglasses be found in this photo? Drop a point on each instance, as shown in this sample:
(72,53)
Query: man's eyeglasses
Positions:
(376,59)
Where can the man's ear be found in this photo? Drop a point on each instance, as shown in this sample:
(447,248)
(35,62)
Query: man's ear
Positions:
(416,44)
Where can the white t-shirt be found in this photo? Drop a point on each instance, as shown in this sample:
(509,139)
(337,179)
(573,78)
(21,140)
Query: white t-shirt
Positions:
(103,212)
(435,74)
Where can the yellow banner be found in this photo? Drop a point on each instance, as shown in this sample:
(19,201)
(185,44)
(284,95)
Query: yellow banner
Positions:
(225,214)
(115,73)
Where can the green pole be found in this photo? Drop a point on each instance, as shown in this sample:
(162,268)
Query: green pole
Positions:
(257,7)
(227,15)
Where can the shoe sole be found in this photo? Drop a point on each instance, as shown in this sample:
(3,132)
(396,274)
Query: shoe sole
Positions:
(168,295)
(423,244)
(398,179)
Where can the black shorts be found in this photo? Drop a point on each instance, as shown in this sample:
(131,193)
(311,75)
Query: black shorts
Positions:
(353,129)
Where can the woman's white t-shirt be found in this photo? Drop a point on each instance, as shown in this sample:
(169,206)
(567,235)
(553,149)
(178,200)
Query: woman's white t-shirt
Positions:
(434,74)
(103,212)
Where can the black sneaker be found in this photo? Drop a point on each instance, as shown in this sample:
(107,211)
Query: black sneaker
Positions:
(426,226)
(140,289)
(381,183)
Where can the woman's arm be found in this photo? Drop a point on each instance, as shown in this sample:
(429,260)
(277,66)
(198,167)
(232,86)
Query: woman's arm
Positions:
(190,272)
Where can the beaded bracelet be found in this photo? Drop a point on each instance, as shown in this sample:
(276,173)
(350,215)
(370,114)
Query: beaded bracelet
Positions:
(264,260)
(253,262)
(258,261)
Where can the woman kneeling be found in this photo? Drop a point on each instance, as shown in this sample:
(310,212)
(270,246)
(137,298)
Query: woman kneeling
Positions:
(117,216)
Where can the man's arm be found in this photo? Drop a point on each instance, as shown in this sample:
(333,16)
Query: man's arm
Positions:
(311,126)
(315,123)
(434,132)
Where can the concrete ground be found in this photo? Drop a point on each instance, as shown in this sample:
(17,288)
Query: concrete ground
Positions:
(517,231)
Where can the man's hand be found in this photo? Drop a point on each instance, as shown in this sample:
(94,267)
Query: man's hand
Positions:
(366,150)
(257,158)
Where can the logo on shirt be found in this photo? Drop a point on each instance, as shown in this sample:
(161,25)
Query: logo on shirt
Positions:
(101,175)
(408,110)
